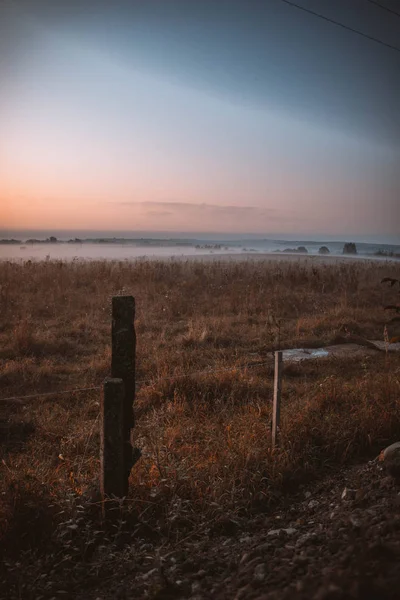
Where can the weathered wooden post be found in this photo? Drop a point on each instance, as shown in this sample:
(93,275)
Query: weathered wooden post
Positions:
(276,408)
(123,367)
(112,441)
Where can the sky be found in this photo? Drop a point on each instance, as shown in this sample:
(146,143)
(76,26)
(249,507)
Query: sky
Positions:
(200,115)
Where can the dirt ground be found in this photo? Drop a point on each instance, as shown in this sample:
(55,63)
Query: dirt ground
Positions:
(336,540)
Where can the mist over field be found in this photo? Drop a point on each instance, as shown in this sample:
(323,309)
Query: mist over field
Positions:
(92,245)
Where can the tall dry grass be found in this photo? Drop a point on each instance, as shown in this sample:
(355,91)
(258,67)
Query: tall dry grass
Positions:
(205,437)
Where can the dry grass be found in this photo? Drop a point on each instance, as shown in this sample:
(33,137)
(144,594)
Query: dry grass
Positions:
(205,437)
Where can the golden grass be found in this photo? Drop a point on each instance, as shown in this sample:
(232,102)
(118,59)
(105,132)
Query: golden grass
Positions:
(205,437)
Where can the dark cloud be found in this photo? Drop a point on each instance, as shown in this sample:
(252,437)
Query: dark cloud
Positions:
(191,207)
(159,213)
(173,208)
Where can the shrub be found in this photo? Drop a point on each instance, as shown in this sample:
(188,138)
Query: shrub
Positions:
(349,248)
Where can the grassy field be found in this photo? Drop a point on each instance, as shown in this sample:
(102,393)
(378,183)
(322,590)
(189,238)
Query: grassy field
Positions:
(205,436)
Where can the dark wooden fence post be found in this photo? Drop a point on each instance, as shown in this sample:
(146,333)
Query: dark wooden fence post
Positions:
(276,408)
(112,442)
(123,367)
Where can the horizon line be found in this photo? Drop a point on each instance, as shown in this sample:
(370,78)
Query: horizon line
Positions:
(179,234)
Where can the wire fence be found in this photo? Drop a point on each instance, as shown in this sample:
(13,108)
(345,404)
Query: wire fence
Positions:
(140,383)
(44,394)
(117,455)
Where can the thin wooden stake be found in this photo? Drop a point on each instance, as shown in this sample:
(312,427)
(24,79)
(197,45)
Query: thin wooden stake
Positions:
(276,409)
(112,443)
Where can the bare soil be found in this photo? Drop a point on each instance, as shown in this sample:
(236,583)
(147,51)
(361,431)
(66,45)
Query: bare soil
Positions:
(336,540)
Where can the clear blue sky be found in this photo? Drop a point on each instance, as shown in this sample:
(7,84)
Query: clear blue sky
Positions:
(225,116)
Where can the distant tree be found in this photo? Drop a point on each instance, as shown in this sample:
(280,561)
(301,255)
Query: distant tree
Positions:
(324,250)
(298,250)
(53,239)
(349,248)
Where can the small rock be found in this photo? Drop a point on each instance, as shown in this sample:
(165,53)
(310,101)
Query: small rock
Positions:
(260,572)
(348,494)
(277,532)
(355,522)
(149,574)
(290,530)
(307,495)
(264,546)
(390,451)
(313,504)
(306,539)
(274,532)
(250,564)
(245,540)
(196,587)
